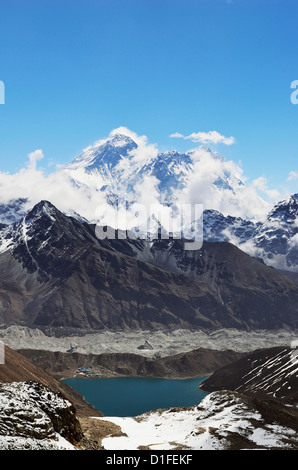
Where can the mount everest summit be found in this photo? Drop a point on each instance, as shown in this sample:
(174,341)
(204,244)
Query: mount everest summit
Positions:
(57,272)
(124,169)
(122,165)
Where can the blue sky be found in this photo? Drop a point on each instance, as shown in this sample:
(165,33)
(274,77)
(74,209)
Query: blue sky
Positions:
(75,70)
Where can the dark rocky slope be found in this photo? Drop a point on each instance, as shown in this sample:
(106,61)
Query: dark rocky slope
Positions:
(195,363)
(266,373)
(54,272)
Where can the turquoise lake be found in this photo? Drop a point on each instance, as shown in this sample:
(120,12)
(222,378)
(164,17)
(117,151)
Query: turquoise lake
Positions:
(130,396)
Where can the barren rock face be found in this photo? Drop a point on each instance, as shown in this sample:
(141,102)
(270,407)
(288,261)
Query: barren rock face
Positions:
(266,373)
(55,273)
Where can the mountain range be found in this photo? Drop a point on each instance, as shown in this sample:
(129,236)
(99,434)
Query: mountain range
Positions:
(58,276)
(122,169)
(56,272)
(119,168)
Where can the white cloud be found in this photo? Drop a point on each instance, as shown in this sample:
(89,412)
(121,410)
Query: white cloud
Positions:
(56,187)
(34,157)
(294,241)
(261,184)
(214,182)
(218,185)
(210,137)
(293,175)
(177,135)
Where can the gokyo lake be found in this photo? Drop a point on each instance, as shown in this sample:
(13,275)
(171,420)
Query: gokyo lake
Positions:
(130,396)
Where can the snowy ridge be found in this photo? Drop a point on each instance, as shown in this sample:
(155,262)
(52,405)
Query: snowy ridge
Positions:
(121,163)
(275,375)
(23,233)
(268,373)
(274,240)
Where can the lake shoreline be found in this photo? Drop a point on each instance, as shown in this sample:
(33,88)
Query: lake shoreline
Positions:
(133,376)
(199,362)
(133,396)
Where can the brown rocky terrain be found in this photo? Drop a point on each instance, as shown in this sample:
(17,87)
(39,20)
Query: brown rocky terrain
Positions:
(195,363)
(54,272)
(18,368)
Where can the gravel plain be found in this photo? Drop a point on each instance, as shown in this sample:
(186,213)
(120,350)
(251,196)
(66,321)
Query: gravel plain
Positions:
(159,343)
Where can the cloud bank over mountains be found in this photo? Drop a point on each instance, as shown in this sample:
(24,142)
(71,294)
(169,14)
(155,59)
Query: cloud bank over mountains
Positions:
(126,165)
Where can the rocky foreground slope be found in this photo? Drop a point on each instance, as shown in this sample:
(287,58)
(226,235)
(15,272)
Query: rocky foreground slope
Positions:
(18,368)
(224,420)
(34,417)
(38,412)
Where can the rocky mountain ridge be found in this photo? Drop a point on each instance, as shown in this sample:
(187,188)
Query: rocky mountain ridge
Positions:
(55,272)
(265,373)
(274,240)
(120,166)
(196,363)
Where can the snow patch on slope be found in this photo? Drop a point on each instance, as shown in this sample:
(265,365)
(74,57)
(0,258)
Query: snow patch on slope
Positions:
(29,413)
(220,417)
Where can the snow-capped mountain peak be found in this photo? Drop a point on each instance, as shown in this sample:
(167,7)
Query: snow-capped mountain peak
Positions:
(124,168)
(43,208)
(105,153)
(121,165)
(285,211)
